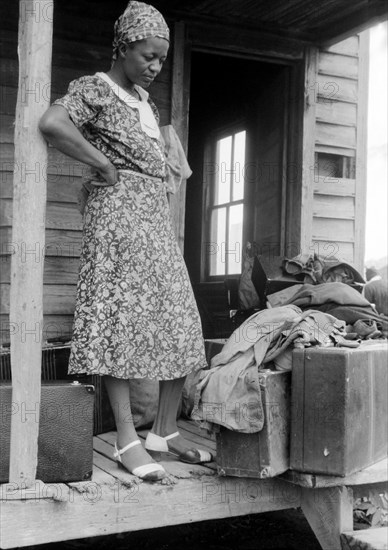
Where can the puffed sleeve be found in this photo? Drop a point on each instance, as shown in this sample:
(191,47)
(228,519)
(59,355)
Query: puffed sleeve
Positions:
(85,99)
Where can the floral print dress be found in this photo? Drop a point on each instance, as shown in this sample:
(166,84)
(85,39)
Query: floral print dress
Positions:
(135,316)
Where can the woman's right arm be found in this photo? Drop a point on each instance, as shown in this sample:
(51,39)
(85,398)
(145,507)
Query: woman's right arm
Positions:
(58,129)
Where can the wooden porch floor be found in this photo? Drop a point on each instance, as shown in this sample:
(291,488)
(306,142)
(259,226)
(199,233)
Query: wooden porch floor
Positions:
(114,501)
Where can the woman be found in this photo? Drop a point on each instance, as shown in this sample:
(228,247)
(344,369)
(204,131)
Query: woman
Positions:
(135,313)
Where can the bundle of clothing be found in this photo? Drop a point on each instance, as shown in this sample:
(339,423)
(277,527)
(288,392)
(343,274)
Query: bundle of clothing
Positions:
(229,394)
(315,269)
(345,303)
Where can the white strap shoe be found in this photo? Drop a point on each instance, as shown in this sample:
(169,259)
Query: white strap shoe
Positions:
(147,472)
(157,444)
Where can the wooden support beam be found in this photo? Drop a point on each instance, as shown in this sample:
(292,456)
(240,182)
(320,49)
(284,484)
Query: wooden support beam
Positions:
(307,192)
(179,119)
(28,235)
(329,513)
(361,152)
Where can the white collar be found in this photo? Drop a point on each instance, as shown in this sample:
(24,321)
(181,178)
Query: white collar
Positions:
(147,118)
(128,98)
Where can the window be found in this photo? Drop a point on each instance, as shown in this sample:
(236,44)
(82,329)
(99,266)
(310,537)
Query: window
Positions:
(330,166)
(226,206)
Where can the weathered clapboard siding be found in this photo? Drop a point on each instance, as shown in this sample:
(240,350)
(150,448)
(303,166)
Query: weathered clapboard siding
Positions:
(333,64)
(57,269)
(327,248)
(68,245)
(326,185)
(336,113)
(333,230)
(59,187)
(54,327)
(340,90)
(81,45)
(348,47)
(58,216)
(323,207)
(57,299)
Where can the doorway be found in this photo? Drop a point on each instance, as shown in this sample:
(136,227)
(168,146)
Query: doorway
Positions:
(230,202)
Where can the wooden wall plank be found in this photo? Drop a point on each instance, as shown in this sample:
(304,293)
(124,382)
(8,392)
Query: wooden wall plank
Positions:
(326,206)
(58,216)
(338,230)
(341,250)
(337,112)
(57,299)
(57,270)
(336,89)
(58,243)
(332,150)
(59,188)
(53,326)
(338,65)
(335,135)
(348,47)
(57,164)
(335,186)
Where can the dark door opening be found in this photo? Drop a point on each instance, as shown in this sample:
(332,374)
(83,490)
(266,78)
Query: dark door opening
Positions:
(237,147)
(227,206)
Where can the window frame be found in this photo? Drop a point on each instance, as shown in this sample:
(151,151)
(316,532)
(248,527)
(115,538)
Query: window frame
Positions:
(209,190)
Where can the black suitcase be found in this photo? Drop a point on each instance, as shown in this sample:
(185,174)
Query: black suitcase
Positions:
(65,442)
(266,453)
(55,360)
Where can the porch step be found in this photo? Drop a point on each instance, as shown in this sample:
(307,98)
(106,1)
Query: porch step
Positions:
(366,539)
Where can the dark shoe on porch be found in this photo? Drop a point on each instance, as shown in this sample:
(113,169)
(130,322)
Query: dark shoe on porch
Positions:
(156,445)
(147,472)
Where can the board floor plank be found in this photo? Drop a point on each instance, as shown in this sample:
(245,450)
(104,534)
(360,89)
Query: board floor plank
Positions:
(173,467)
(114,501)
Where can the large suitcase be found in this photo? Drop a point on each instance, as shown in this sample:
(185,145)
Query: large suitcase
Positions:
(65,442)
(55,360)
(339,409)
(266,453)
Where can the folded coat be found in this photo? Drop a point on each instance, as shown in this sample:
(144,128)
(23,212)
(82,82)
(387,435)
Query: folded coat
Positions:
(228,394)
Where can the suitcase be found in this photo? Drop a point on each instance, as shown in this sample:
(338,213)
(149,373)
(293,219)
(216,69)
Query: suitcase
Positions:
(339,409)
(55,360)
(65,441)
(266,453)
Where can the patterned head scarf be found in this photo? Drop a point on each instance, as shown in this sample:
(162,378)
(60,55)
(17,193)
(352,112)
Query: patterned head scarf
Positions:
(139,21)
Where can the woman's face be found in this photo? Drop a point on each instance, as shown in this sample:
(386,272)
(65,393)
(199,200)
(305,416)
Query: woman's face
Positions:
(143,61)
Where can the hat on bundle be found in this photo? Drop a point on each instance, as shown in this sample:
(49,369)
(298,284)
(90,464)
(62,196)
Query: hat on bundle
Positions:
(139,21)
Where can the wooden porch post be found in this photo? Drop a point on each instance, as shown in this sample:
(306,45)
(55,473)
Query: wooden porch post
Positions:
(28,235)
(308,162)
(179,119)
(362,152)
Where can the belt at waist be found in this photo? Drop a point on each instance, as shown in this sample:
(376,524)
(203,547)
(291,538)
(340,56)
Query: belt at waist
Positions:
(140,175)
